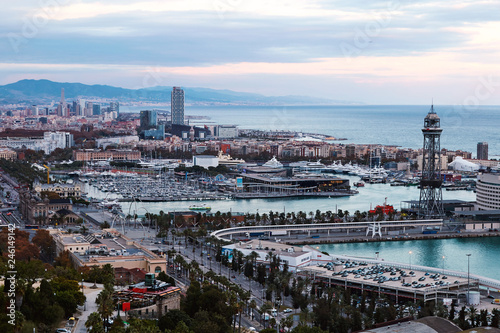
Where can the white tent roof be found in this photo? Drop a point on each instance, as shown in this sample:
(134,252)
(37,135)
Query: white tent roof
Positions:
(459,164)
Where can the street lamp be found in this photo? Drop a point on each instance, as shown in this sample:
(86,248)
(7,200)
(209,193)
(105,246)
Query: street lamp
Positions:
(468,278)
(410,258)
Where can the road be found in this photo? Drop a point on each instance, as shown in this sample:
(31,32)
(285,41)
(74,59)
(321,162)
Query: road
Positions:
(89,307)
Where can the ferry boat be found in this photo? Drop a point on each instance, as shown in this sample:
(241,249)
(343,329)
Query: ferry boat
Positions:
(201,207)
(385,208)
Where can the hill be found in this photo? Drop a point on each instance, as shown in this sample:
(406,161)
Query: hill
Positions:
(45,91)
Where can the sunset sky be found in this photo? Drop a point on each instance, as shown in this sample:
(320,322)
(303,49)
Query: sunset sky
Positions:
(374,52)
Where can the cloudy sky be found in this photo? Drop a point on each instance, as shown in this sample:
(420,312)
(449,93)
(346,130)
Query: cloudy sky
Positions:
(371,51)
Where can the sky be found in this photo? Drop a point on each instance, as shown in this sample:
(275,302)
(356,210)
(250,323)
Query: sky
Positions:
(367,51)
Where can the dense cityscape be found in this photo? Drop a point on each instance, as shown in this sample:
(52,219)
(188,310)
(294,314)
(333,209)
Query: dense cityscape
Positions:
(229,166)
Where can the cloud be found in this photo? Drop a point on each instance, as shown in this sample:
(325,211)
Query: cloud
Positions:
(363,41)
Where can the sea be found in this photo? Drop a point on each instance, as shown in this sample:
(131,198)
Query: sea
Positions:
(399,125)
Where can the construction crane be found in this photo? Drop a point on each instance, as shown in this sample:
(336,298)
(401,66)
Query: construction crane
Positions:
(48,173)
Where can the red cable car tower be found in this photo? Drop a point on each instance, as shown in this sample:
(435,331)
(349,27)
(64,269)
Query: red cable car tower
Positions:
(431,197)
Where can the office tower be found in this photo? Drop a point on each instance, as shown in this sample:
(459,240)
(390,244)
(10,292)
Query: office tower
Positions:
(96,109)
(148,119)
(89,109)
(81,107)
(114,107)
(177,106)
(482,150)
(431,196)
(62,109)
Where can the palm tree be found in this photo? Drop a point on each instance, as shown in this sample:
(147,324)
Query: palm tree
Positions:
(105,302)
(252,306)
(472,315)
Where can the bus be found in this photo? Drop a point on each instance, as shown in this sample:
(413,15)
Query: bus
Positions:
(31,226)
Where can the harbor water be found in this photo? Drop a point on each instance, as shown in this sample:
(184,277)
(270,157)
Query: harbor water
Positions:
(484,259)
(368,197)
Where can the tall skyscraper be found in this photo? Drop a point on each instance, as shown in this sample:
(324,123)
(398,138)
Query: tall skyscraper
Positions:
(62,109)
(431,196)
(114,107)
(482,150)
(177,106)
(148,119)
(96,109)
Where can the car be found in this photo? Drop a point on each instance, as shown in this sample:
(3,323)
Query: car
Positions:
(252,329)
(63,330)
(490,296)
(288,310)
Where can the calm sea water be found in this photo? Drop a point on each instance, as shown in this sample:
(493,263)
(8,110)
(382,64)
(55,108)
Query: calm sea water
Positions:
(369,196)
(398,125)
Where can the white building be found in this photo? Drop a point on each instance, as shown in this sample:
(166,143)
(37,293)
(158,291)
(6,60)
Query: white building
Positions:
(54,140)
(295,256)
(206,161)
(227,131)
(488,191)
(117,140)
(49,142)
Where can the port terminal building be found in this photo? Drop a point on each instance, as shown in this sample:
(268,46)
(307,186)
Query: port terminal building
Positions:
(294,256)
(269,185)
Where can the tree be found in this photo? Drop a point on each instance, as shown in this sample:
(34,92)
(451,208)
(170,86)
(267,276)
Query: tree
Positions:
(105,302)
(68,295)
(63,260)
(172,318)
(45,243)
(94,323)
(495,318)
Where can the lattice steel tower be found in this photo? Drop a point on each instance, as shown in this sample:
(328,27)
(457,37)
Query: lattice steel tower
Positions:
(431,197)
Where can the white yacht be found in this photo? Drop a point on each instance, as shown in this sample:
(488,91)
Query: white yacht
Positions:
(273,163)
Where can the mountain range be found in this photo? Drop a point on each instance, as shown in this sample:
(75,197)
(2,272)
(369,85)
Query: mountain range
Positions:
(45,91)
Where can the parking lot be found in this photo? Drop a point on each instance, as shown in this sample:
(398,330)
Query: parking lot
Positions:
(409,283)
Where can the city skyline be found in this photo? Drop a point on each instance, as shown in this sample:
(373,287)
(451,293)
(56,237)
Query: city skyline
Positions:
(390,52)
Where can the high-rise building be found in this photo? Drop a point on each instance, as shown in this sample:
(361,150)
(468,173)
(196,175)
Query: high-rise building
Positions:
(431,195)
(482,150)
(114,107)
(177,106)
(89,109)
(488,191)
(62,109)
(148,119)
(96,109)
(81,107)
